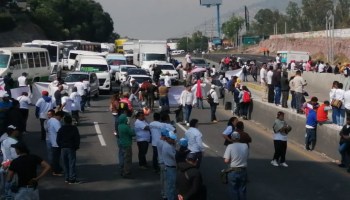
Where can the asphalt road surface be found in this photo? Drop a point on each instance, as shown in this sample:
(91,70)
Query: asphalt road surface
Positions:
(309,175)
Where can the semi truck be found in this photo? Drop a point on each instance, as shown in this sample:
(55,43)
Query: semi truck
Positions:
(147,52)
(297,56)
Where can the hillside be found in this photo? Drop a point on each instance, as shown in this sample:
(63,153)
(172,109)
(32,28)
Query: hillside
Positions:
(24,32)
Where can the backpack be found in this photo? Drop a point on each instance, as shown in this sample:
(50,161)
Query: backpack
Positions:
(246,97)
(245,69)
(123,106)
(210,99)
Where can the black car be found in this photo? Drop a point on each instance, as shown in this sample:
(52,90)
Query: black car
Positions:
(136,71)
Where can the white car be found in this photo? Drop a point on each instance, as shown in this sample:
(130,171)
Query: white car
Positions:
(168,68)
(120,75)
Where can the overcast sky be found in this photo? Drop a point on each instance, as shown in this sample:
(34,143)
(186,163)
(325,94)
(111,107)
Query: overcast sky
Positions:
(162,19)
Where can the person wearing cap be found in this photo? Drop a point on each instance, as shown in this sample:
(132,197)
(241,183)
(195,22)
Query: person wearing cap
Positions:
(125,134)
(186,100)
(311,125)
(68,139)
(182,152)
(25,166)
(22,80)
(236,156)
(160,143)
(213,104)
(8,152)
(9,83)
(189,181)
(168,154)
(53,150)
(195,143)
(281,130)
(155,128)
(24,102)
(43,105)
(143,138)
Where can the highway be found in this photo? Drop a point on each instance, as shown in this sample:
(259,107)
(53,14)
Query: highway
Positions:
(309,175)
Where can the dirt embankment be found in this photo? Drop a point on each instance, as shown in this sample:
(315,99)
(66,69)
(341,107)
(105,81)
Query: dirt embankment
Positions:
(316,46)
(25,31)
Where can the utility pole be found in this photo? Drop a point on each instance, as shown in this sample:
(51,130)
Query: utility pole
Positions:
(330,36)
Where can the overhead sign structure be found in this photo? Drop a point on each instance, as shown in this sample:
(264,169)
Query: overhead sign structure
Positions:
(210,2)
(216,3)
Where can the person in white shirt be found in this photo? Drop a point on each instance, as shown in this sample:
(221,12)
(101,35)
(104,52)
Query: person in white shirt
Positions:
(198,90)
(213,104)
(66,104)
(188,61)
(43,105)
(280,136)
(194,138)
(340,112)
(156,128)
(347,102)
(143,137)
(22,80)
(24,102)
(331,97)
(167,80)
(263,81)
(278,58)
(82,92)
(76,104)
(271,94)
(292,65)
(321,67)
(87,89)
(236,155)
(53,150)
(186,100)
(8,152)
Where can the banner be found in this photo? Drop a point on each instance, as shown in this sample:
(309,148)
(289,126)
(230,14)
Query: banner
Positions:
(174,95)
(237,72)
(38,87)
(16,92)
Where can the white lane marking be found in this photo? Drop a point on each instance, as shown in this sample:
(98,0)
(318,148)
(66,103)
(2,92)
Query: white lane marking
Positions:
(184,129)
(99,134)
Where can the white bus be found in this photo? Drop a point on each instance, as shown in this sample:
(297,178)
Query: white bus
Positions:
(55,50)
(34,61)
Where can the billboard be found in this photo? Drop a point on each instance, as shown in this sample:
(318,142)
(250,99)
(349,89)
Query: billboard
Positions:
(210,2)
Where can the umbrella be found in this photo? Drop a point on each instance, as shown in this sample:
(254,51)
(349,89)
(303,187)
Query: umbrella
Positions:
(198,69)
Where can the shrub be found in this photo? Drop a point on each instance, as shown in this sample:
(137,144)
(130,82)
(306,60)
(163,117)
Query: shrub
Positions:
(7,22)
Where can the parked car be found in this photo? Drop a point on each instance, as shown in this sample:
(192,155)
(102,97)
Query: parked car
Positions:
(73,77)
(200,62)
(120,75)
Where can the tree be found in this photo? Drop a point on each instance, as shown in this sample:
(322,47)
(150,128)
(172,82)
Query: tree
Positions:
(265,20)
(293,17)
(315,12)
(196,42)
(232,27)
(342,14)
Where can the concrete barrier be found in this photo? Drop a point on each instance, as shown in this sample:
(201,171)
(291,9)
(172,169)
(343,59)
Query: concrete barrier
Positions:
(327,136)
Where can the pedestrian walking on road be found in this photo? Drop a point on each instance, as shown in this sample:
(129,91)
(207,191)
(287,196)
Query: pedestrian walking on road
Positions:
(344,145)
(245,100)
(231,126)
(155,128)
(271,94)
(214,102)
(75,105)
(186,100)
(143,137)
(168,153)
(263,81)
(194,137)
(68,139)
(25,166)
(189,181)
(236,155)
(198,89)
(24,103)
(311,126)
(281,130)
(43,105)
(125,134)
(53,150)
(82,92)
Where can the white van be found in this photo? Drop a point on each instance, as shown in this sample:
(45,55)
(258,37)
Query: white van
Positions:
(98,65)
(70,61)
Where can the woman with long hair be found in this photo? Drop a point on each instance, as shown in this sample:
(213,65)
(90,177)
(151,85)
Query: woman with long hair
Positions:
(231,124)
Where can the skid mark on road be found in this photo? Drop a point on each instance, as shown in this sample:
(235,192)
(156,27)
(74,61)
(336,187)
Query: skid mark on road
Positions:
(184,129)
(99,134)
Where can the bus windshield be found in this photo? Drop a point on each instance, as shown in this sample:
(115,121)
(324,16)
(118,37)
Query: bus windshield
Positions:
(155,56)
(93,68)
(4,59)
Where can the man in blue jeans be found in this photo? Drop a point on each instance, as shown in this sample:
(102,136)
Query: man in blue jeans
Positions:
(311,125)
(236,155)
(168,154)
(68,139)
(276,82)
(186,100)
